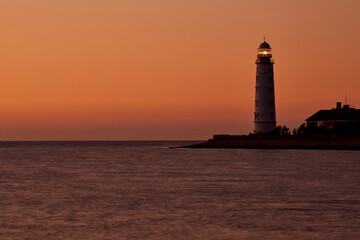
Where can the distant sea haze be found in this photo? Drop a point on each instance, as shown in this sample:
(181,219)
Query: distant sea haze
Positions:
(146,190)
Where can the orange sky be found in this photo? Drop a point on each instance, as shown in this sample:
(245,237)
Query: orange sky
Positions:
(160,69)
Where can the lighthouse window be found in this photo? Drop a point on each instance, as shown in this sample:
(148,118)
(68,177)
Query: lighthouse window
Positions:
(257,89)
(256,103)
(257,78)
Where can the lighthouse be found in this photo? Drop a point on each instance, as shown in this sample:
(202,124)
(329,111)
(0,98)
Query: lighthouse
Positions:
(265,118)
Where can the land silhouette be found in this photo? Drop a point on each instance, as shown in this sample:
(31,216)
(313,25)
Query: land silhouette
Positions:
(341,137)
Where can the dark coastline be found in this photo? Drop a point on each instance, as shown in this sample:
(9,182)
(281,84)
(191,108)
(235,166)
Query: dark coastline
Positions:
(324,142)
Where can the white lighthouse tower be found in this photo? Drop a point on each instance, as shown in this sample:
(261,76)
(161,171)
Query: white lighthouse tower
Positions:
(265,119)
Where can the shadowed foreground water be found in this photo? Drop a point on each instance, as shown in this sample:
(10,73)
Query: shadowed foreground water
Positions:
(144,190)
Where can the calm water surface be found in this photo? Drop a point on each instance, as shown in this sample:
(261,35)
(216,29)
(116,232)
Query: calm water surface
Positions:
(144,190)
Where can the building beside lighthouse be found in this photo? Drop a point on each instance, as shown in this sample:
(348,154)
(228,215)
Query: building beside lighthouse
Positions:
(264,115)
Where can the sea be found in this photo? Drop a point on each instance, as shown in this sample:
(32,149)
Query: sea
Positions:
(148,190)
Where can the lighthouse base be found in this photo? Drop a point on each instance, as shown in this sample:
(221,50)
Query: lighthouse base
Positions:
(264,127)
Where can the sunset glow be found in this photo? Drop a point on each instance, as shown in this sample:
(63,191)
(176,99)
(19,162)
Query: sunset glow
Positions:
(157,69)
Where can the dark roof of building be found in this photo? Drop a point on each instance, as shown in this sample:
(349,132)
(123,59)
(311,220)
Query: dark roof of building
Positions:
(350,114)
(264,45)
